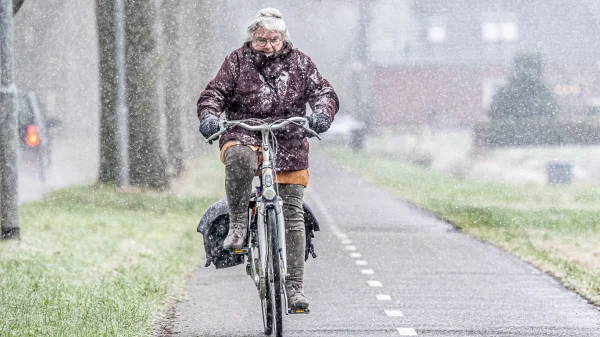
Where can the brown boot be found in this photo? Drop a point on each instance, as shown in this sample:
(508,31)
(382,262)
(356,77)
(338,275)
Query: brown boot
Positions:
(236,238)
(295,294)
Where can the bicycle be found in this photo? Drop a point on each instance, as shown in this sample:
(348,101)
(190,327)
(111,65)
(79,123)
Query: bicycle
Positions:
(266,248)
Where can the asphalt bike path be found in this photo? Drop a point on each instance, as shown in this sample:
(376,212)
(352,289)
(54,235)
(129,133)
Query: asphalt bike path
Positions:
(384,268)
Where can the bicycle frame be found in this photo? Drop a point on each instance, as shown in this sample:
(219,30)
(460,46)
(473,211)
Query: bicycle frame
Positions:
(270,198)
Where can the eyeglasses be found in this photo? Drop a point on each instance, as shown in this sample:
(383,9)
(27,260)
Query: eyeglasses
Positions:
(261,42)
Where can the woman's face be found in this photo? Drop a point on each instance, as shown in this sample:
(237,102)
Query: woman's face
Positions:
(267,42)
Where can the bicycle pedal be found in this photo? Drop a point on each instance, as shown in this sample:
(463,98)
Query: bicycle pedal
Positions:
(241,251)
(299,311)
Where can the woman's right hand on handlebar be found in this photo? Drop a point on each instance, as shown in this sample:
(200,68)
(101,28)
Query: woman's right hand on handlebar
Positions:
(209,125)
(318,122)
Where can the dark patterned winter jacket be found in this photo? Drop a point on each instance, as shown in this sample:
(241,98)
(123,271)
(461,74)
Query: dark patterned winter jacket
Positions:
(251,85)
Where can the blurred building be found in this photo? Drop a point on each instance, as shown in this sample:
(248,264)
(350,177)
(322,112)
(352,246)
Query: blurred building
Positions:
(445,60)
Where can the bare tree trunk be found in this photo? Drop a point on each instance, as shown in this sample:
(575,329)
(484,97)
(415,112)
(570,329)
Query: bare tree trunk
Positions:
(113,128)
(105,21)
(172,19)
(147,162)
(197,62)
(9,172)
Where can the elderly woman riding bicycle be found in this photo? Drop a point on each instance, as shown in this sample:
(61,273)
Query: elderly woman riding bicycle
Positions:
(267,78)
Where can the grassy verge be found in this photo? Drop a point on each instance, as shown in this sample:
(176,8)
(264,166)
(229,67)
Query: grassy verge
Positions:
(556,228)
(95,261)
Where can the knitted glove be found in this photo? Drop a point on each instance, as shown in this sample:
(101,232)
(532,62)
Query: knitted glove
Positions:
(319,122)
(209,125)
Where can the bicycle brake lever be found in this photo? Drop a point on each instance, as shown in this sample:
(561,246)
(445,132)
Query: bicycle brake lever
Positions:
(311,132)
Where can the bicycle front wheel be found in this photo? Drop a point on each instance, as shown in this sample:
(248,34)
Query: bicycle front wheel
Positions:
(278,305)
(267,302)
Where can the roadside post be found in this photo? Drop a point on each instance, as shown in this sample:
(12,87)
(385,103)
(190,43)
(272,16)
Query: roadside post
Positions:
(9,176)
(559,173)
(362,85)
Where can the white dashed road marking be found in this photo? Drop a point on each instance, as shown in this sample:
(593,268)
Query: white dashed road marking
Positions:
(328,218)
(393,313)
(382,297)
(407,332)
(374,284)
(356,255)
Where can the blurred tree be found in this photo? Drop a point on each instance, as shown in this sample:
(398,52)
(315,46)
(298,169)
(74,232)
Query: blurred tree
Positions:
(201,59)
(172,20)
(9,138)
(105,22)
(526,94)
(147,157)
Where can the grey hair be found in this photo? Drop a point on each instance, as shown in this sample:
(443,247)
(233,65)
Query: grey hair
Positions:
(269,19)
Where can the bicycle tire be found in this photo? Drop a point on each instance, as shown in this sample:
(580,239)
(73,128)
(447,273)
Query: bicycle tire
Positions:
(277,277)
(267,302)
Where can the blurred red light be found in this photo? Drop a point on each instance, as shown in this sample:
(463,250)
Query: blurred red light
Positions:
(32,138)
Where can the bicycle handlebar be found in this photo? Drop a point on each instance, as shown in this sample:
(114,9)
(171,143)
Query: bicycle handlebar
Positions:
(226,125)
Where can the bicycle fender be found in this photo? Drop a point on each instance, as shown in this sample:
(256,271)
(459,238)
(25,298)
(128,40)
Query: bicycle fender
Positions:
(310,220)
(215,210)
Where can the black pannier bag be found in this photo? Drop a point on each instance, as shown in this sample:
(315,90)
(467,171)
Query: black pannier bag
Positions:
(214,226)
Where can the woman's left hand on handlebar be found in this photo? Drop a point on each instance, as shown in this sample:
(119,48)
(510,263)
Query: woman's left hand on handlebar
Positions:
(318,122)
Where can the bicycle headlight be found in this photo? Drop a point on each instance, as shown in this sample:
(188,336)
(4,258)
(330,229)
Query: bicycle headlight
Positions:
(269,194)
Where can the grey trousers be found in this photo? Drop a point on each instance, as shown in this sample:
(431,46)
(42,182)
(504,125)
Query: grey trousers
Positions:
(241,163)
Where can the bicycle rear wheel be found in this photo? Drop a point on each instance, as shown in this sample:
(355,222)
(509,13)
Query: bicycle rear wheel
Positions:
(277,285)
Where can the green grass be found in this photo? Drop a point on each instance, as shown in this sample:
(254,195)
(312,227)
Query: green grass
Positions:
(95,261)
(556,228)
